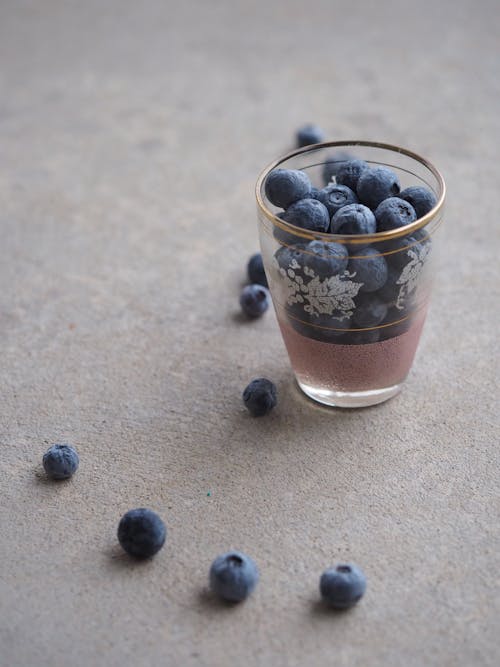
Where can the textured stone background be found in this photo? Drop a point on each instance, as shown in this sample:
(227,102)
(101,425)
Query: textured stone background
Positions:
(131,135)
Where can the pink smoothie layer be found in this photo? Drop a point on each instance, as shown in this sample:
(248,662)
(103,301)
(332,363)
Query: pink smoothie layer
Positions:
(352,367)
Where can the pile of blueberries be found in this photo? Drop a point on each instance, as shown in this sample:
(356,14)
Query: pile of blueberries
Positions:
(357,199)
(232,575)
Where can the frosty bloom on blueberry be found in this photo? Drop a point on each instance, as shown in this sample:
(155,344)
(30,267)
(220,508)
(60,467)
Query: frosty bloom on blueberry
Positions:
(349,172)
(61,461)
(260,397)
(422,199)
(285,186)
(394,212)
(353,219)
(343,585)
(233,576)
(308,214)
(376,184)
(334,197)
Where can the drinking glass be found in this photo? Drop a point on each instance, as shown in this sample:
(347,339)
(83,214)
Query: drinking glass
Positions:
(338,354)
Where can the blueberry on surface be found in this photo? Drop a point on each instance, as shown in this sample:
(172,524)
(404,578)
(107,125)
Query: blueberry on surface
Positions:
(254,300)
(260,397)
(60,461)
(342,585)
(394,212)
(285,186)
(335,197)
(233,576)
(255,270)
(349,172)
(141,533)
(376,184)
(422,199)
(353,219)
(309,134)
(325,259)
(370,268)
(308,214)
(333,163)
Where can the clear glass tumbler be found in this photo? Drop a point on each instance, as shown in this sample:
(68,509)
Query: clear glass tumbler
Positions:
(326,314)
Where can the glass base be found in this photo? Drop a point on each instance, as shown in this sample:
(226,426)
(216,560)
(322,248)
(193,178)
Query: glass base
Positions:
(350,399)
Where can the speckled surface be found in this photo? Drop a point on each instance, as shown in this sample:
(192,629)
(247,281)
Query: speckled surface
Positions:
(131,135)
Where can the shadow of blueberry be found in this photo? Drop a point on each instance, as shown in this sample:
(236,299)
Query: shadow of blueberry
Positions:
(320,609)
(209,601)
(118,559)
(43,479)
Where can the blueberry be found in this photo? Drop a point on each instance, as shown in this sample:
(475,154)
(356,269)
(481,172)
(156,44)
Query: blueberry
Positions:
(370,268)
(349,172)
(389,292)
(285,186)
(325,259)
(376,184)
(141,533)
(281,235)
(394,212)
(60,461)
(254,300)
(342,586)
(315,193)
(260,397)
(369,312)
(353,219)
(333,163)
(309,134)
(288,257)
(396,323)
(233,576)
(255,270)
(308,214)
(335,197)
(422,236)
(422,199)
(397,251)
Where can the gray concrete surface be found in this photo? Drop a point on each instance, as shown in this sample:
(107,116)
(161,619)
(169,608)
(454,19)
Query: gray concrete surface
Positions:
(131,135)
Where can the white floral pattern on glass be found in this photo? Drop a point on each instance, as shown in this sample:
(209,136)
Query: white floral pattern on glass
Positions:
(334,294)
(410,275)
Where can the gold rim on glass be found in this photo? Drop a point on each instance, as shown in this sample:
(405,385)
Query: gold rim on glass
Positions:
(353,238)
